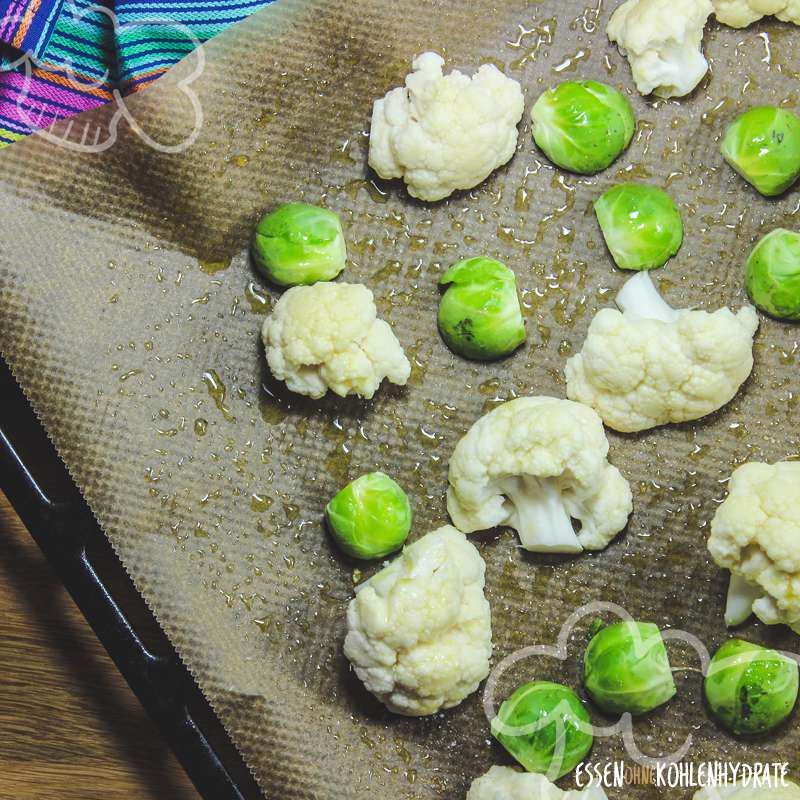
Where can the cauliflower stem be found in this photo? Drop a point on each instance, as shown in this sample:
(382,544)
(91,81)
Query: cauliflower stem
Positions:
(639,299)
(741,596)
(540,515)
(754,535)
(648,364)
(532,464)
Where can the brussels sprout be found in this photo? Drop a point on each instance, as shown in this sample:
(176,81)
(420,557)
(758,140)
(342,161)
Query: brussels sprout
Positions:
(299,244)
(763,146)
(773,274)
(626,668)
(370,517)
(479,313)
(641,225)
(749,689)
(545,727)
(582,126)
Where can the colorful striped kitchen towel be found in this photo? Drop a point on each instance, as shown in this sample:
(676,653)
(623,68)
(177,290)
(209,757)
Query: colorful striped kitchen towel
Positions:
(60,57)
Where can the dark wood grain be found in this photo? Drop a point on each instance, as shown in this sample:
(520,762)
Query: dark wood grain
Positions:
(69,725)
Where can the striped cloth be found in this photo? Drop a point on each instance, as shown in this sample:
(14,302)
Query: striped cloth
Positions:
(61,57)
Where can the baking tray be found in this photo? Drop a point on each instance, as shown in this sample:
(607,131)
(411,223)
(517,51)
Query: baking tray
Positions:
(37,484)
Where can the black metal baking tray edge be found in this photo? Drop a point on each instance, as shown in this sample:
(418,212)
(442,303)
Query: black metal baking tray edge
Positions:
(38,486)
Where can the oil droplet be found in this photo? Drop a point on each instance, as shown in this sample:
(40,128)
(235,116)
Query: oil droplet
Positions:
(388,270)
(263,623)
(213,267)
(260,502)
(337,464)
(217,391)
(240,160)
(377,194)
(272,407)
(200,426)
(405,756)
(522,199)
(711,116)
(129,374)
(258,300)
(543,35)
(570,63)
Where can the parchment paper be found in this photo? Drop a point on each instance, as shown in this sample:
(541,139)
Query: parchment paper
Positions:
(127,303)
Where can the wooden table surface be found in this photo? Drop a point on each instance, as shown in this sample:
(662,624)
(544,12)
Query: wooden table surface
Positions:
(70,728)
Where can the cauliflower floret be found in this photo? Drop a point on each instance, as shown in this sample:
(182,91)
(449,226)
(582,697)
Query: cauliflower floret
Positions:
(662,40)
(328,336)
(756,535)
(533,464)
(791,791)
(653,364)
(442,133)
(419,633)
(504,783)
(741,13)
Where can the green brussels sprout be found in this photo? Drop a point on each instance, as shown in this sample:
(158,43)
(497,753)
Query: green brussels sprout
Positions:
(479,313)
(763,146)
(749,689)
(641,225)
(370,517)
(299,244)
(773,274)
(626,668)
(545,727)
(583,126)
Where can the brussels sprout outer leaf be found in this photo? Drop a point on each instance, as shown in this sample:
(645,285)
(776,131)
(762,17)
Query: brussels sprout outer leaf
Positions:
(299,244)
(773,274)
(749,689)
(370,517)
(545,727)
(641,225)
(626,668)
(582,126)
(479,313)
(763,146)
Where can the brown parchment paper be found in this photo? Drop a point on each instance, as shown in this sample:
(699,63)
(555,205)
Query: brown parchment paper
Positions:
(130,315)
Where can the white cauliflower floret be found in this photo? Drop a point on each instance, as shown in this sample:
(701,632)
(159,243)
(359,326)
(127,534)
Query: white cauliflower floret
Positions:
(741,13)
(504,783)
(419,633)
(534,464)
(791,791)
(442,133)
(662,39)
(653,364)
(756,535)
(328,336)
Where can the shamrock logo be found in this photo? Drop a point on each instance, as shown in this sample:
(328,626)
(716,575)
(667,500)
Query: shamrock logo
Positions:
(563,725)
(95,137)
